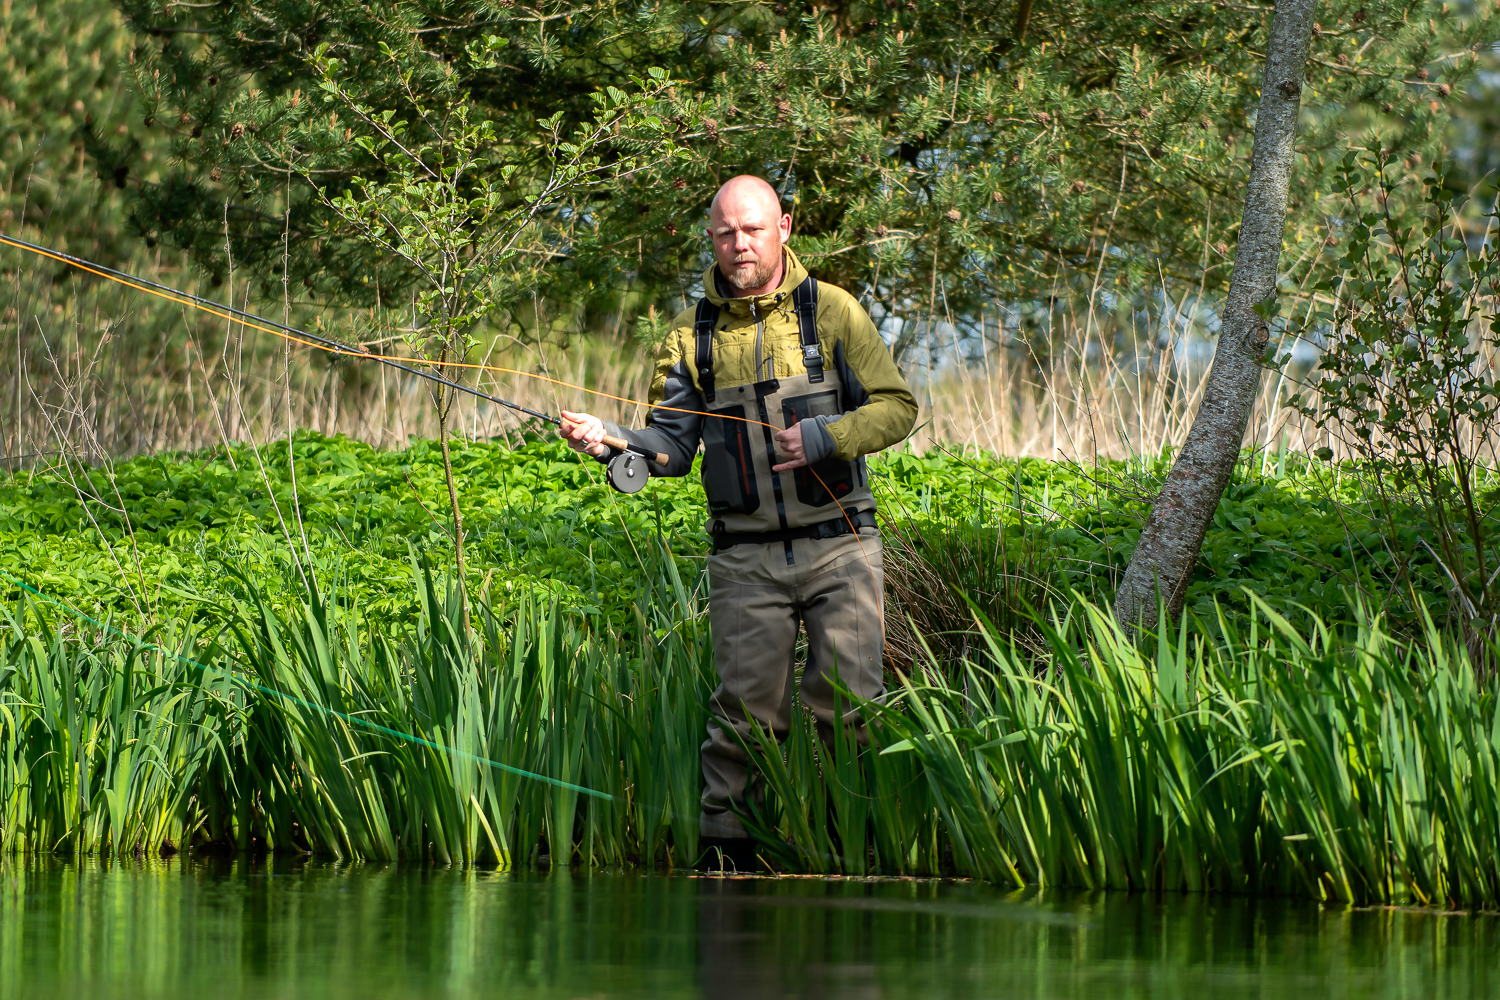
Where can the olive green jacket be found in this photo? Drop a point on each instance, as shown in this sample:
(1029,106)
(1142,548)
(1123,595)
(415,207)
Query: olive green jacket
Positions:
(757,339)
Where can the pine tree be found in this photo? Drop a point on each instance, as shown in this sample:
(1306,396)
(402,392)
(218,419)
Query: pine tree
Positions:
(70,162)
(61,94)
(939,154)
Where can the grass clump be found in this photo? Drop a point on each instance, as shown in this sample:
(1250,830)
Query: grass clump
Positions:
(1346,765)
(313,731)
(1352,767)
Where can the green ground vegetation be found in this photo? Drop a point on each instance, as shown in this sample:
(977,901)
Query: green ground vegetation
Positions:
(166,535)
(555,718)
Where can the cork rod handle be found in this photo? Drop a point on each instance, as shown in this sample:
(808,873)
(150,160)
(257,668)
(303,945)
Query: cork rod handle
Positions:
(620,444)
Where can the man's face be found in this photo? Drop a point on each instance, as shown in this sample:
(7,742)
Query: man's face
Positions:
(748,230)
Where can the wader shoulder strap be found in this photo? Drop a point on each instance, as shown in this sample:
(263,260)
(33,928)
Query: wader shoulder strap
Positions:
(805,301)
(703,353)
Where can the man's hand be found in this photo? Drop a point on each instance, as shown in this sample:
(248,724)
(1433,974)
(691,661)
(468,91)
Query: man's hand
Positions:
(790,441)
(584,432)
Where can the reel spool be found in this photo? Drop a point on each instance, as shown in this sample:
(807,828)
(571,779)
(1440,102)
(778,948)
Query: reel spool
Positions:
(627,472)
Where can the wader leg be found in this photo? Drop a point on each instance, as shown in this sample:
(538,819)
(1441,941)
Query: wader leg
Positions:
(755,633)
(842,608)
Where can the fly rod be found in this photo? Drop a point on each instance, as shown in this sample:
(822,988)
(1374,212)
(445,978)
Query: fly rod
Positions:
(302,336)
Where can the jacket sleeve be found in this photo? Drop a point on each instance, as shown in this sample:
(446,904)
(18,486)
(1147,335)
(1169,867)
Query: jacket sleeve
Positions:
(675,422)
(884,408)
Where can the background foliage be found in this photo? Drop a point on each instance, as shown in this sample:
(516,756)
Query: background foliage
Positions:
(939,155)
(62,83)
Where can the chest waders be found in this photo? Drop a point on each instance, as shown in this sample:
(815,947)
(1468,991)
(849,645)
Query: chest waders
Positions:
(746,500)
(788,557)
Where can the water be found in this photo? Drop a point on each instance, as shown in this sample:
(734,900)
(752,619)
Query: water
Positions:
(288,930)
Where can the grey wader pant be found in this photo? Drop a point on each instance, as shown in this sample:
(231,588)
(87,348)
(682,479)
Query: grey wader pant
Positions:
(756,604)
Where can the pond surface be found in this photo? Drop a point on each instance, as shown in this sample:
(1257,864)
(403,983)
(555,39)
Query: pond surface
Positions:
(289,930)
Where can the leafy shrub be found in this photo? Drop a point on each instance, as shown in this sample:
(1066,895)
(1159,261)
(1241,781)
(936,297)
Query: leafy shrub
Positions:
(1407,385)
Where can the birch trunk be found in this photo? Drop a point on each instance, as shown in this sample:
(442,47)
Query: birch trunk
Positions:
(1169,544)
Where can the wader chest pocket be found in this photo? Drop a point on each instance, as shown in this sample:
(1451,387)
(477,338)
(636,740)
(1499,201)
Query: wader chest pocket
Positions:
(728,464)
(820,484)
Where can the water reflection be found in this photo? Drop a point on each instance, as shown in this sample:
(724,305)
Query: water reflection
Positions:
(280,929)
(827,939)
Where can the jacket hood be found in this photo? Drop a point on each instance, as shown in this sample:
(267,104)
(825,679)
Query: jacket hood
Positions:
(715,287)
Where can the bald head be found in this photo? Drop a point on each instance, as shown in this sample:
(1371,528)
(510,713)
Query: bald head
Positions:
(743,191)
(748,228)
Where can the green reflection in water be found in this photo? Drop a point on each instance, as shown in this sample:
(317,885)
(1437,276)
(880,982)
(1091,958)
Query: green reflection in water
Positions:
(299,929)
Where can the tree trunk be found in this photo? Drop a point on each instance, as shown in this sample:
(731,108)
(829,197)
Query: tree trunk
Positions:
(1169,544)
(445,401)
(1023,17)
(458,518)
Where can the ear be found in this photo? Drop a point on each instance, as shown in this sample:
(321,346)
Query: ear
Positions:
(785,225)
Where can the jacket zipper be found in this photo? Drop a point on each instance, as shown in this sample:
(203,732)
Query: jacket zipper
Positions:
(765,419)
(760,328)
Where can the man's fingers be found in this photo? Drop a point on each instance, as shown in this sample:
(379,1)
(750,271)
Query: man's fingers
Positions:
(582,427)
(583,432)
(790,441)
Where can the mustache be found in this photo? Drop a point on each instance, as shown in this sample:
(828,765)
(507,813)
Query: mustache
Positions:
(745,258)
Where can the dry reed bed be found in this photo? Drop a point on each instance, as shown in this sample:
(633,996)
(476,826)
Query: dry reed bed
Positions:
(97,372)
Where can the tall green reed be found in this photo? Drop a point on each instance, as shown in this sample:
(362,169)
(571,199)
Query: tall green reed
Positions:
(103,748)
(287,733)
(1247,757)
(1352,767)
(529,688)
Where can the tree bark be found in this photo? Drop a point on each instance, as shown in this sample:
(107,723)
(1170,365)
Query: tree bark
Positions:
(1023,18)
(1163,561)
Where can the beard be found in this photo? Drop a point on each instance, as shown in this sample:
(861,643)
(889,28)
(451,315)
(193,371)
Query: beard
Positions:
(755,277)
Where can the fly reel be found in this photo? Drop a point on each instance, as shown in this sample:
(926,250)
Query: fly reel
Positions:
(627,472)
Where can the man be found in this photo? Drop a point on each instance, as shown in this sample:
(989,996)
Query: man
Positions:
(787,384)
